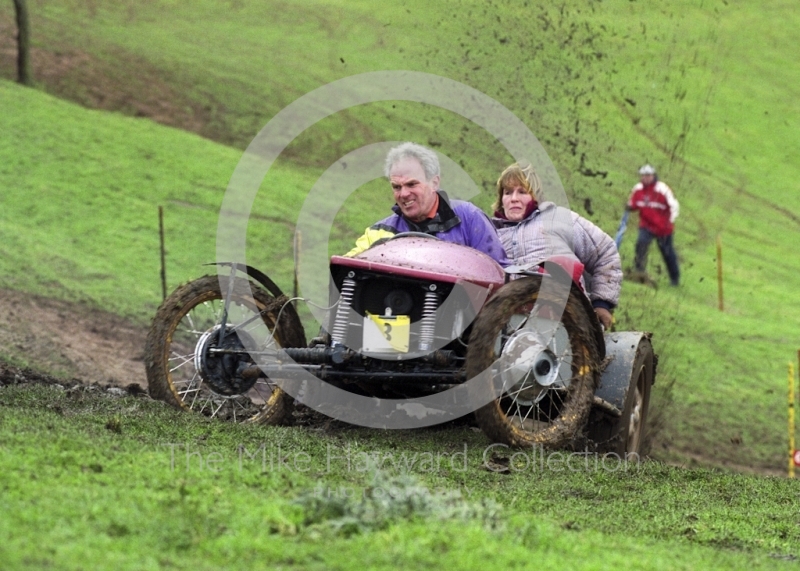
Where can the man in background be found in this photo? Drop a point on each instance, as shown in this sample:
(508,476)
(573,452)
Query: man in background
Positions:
(658,210)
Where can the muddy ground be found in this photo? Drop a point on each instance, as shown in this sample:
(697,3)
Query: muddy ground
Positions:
(71,341)
(73,346)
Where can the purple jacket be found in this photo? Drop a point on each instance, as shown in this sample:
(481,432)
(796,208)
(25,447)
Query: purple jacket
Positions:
(456,221)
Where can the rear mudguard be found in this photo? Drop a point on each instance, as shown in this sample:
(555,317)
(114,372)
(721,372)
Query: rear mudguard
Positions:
(257,275)
(615,379)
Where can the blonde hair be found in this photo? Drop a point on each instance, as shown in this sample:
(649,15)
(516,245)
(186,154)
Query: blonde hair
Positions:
(516,175)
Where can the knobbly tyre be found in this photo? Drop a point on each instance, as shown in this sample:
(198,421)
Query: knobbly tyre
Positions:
(562,380)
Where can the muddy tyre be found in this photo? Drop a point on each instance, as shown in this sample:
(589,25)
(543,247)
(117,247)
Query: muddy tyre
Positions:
(528,413)
(187,319)
(626,435)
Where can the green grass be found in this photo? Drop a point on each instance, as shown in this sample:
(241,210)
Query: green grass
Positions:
(81,191)
(104,481)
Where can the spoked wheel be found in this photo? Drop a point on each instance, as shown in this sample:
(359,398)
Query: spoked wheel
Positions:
(185,367)
(625,435)
(547,366)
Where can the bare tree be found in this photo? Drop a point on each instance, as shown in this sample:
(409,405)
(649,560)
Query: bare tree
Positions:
(23,43)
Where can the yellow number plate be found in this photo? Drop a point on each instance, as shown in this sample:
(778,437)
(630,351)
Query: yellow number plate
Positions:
(386,333)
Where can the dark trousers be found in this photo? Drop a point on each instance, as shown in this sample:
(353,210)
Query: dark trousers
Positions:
(667,251)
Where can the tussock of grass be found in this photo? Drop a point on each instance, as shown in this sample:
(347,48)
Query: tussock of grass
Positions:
(389,499)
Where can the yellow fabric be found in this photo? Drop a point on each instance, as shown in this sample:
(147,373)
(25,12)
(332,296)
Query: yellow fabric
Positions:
(370,236)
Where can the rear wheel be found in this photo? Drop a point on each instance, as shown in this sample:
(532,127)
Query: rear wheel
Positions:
(625,435)
(548,365)
(183,370)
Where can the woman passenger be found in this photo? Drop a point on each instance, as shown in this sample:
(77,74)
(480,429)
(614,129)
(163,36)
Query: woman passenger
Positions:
(533,230)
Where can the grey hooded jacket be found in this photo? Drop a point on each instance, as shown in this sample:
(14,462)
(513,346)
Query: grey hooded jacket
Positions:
(552,230)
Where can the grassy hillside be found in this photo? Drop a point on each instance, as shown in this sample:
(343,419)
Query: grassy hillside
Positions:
(80,196)
(704,90)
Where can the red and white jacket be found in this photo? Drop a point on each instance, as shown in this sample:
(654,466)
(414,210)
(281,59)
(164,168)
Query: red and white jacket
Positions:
(657,207)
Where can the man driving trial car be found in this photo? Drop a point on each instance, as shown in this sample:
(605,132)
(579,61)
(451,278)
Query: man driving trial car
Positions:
(413,171)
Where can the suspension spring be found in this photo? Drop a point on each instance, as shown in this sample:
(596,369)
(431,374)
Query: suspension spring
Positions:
(427,325)
(339,329)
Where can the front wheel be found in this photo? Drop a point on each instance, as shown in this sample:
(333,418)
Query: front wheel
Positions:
(547,361)
(183,369)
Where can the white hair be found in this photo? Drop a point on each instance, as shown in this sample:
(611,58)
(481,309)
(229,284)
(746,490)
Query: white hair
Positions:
(426,157)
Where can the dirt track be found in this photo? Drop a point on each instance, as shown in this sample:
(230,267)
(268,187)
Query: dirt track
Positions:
(71,340)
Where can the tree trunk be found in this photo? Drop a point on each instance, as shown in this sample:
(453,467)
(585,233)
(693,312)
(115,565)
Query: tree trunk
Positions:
(23,43)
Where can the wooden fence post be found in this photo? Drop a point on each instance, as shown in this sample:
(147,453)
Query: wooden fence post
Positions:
(791,401)
(297,245)
(163,253)
(23,43)
(719,272)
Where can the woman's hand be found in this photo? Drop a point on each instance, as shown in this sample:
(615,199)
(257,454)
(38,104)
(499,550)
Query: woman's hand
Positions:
(604,316)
